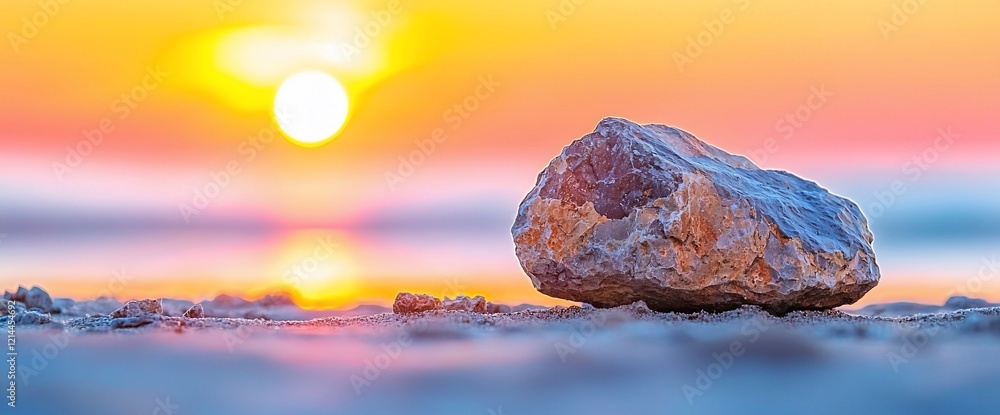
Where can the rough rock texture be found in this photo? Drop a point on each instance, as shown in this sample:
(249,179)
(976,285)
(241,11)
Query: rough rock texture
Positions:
(475,304)
(35,298)
(407,303)
(17,295)
(18,308)
(196,311)
(632,212)
(32,318)
(139,308)
(38,298)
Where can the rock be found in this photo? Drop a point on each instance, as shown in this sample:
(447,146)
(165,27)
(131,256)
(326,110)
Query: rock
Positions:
(63,305)
(18,307)
(138,308)
(492,308)
(196,311)
(32,318)
(475,304)
(649,212)
(17,295)
(38,298)
(407,303)
(20,294)
(133,322)
(175,308)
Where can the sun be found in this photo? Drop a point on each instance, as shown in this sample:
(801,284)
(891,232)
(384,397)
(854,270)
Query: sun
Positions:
(310,108)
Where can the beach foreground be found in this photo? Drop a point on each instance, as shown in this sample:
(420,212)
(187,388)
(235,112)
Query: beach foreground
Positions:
(562,360)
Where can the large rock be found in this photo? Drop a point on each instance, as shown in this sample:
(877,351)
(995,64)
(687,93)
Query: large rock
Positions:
(649,212)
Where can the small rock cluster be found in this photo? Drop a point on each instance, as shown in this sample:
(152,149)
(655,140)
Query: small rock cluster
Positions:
(138,313)
(33,299)
(407,303)
(31,307)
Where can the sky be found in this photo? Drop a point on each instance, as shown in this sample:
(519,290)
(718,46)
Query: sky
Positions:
(141,154)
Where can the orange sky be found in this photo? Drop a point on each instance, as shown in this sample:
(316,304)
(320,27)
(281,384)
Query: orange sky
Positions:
(557,67)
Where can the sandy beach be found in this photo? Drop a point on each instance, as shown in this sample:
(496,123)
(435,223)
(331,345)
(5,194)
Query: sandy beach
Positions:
(562,360)
(539,207)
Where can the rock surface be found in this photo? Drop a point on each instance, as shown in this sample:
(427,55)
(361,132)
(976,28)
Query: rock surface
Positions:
(649,212)
(35,298)
(139,308)
(38,298)
(475,304)
(407,303)
(196,311)
(17,308)
(32,318)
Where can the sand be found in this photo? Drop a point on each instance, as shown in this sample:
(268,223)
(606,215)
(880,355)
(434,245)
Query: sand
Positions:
(562,360)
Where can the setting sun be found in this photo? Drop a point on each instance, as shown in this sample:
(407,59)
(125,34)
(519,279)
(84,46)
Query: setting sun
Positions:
(310,107)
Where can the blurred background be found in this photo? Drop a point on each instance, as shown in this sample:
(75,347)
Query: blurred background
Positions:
(144,154)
